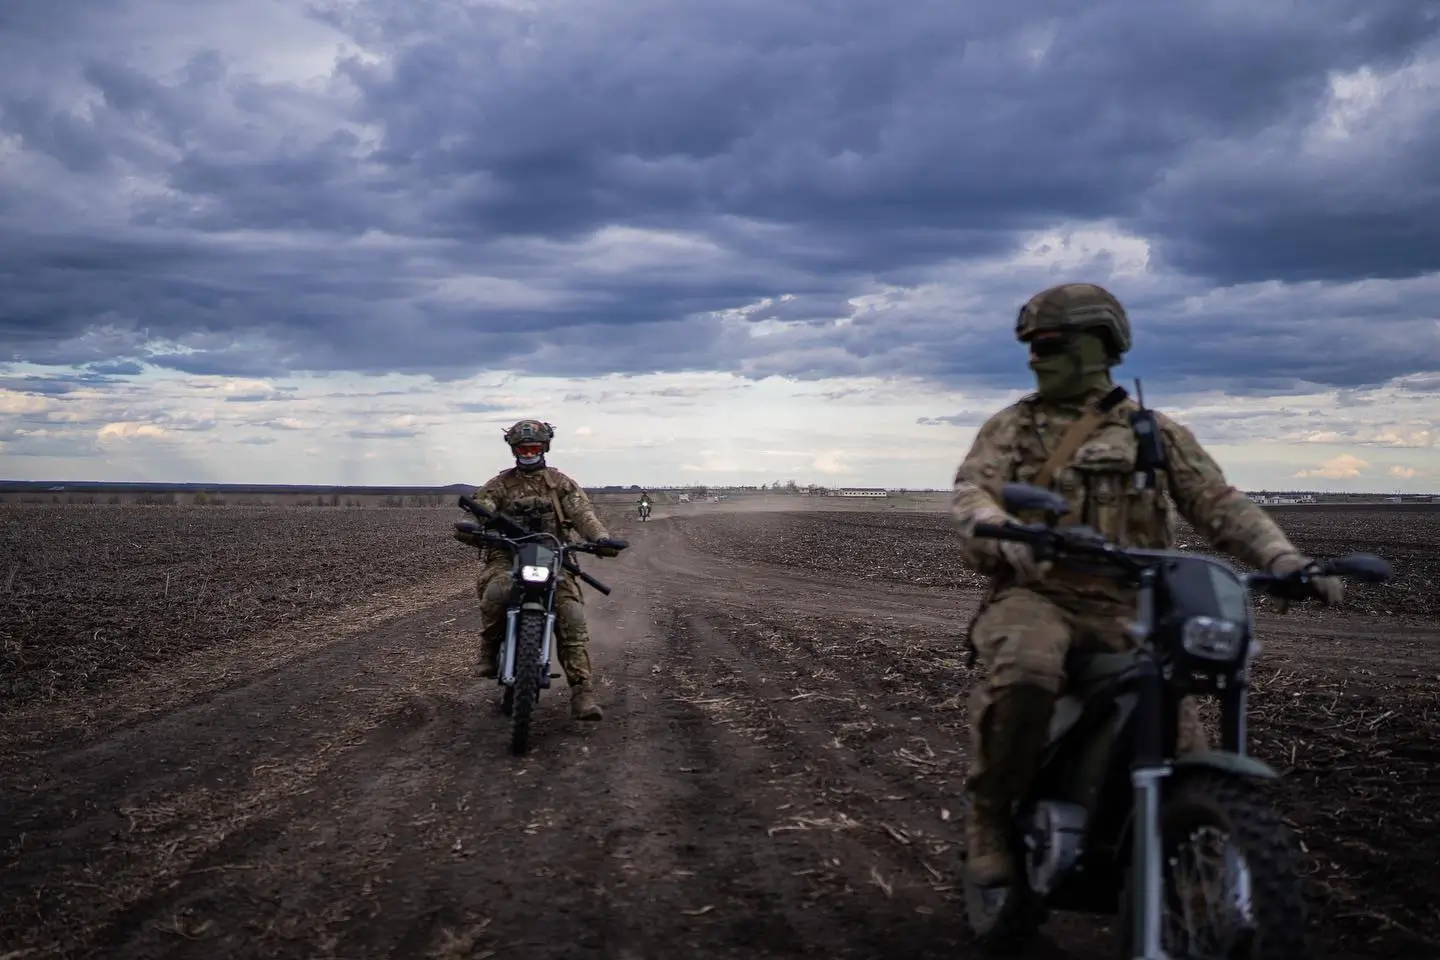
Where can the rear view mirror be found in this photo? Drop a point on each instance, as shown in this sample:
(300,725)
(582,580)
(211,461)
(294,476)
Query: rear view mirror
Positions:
(1365,567)
(1026,498)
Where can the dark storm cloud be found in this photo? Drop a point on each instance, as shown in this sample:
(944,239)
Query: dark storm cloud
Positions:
(447,201)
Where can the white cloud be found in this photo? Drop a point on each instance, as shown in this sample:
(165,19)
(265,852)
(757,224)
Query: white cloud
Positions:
(1344,467)
(12,402)
(659,429)
(131,430)
(248,389)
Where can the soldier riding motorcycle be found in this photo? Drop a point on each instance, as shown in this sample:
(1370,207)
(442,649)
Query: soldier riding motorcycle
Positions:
(1125,471)
(546,500)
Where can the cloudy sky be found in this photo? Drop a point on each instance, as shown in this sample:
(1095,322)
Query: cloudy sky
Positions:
(348,240)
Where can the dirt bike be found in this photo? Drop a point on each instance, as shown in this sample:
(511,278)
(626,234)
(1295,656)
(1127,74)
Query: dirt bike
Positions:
(538,559)
(644,511)
(1105,825)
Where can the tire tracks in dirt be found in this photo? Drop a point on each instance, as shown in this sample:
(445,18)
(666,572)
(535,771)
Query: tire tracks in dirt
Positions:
(763,785)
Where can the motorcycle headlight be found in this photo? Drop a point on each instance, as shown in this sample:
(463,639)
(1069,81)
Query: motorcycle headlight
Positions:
(1211,638)
(534,574)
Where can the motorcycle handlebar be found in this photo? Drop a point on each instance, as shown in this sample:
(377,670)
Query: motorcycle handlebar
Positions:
(510,530)
(1003,531)
(1086,543)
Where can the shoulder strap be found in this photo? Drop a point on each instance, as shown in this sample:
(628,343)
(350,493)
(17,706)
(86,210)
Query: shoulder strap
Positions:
(555,500)
(1078,433)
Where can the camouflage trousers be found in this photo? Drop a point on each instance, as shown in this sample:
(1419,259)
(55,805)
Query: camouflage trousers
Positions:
(571,633)
(1022,638)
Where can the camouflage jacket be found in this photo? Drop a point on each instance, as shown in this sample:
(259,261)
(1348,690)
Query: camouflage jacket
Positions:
(1098,481)
(530,499)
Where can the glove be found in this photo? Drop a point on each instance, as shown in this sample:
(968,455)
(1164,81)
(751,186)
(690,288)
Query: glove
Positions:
(1018,558)
(610,546)
(1328,590)
(1022,562)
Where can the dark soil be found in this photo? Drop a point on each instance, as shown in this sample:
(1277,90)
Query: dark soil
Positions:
(778,773)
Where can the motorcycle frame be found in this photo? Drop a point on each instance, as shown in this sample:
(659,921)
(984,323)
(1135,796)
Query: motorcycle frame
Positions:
(1124,717)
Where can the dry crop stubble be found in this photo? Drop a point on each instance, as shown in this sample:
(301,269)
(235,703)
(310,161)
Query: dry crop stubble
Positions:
(96,593)
(781,760)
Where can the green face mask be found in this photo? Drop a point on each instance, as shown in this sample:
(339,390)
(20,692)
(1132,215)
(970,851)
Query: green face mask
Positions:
(1081,366)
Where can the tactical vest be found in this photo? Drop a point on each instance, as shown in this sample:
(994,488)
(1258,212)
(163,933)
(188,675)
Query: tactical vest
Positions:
(1099,477)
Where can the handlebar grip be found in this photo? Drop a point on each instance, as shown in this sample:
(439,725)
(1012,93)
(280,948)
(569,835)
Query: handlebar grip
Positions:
(588,579)
(1002,531)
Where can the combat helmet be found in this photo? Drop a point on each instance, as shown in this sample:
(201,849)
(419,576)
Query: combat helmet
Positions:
(530,440)
(530,431)
(1072,307)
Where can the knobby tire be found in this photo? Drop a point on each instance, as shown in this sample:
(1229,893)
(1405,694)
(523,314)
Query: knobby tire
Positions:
(1255,828)
(529,637)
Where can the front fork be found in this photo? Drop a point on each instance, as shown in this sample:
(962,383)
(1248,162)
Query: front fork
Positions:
(1147,772)
(507,652)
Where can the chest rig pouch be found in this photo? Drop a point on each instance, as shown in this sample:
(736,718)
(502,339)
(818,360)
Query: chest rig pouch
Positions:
(1107,491)
(1111,466)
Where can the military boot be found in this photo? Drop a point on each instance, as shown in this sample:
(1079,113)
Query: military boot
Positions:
(1014,729)
(488,664)
(583,705)
(987,842)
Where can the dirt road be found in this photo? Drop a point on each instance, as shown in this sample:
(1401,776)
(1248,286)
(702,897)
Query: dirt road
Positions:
(778,775)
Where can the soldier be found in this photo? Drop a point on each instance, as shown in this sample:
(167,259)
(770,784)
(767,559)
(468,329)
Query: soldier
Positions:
(538,495)
(1072,436)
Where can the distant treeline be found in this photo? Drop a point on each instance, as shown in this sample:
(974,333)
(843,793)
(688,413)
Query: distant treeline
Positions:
(137,487)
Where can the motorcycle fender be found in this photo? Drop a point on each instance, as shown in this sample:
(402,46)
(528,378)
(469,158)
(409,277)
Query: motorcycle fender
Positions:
(535,605)
(1226,762)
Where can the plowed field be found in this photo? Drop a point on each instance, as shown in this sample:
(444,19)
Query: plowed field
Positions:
(256,732)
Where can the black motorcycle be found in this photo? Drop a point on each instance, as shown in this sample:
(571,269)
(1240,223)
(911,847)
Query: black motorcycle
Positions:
(644,510)
(1112,823)
(538,562)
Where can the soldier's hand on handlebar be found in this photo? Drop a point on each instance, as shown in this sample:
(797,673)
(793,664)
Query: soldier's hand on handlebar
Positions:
(1021,560)
(1017,556)
(1328,590)
(610,546)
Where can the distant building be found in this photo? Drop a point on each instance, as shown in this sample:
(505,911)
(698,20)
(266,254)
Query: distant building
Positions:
(862,492)
(1282,498)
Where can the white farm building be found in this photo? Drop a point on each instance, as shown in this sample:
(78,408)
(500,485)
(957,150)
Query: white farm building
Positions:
(862,492)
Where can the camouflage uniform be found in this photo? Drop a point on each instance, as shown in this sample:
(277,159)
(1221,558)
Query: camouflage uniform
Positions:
(530,493)
(1025,629)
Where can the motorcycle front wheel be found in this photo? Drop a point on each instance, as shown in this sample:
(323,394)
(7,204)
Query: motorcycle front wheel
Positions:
(1231,871)
(529,637)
